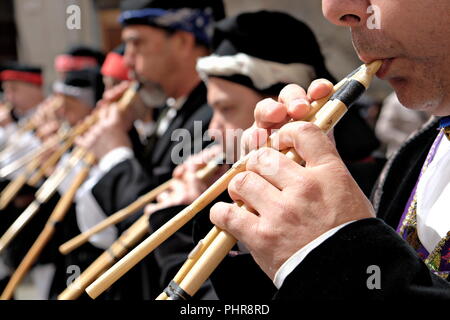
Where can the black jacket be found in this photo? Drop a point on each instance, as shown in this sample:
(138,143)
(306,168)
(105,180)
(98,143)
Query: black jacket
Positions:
(338,268)
(132,178)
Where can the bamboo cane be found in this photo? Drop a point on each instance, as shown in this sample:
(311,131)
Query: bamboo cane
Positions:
(10,191)
(57,216)
(50,186)
(121,246)
(45,192)
(202,266)
(29,125)
(159,236)
(124,213)
(115,218)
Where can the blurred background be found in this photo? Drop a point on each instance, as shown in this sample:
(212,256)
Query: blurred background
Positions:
(35,32)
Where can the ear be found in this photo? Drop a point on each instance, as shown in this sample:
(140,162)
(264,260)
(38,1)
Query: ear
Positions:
(184,42)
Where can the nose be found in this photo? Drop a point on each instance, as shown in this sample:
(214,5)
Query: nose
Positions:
(129,57)
(346,13)
(215,128)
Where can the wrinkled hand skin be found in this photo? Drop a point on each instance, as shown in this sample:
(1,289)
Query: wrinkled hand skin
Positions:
(292,204)
(111,130)
(185,186)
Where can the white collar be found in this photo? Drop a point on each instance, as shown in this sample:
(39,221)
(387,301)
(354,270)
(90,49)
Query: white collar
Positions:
(433,198)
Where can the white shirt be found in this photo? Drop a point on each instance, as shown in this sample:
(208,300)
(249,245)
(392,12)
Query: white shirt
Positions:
(433,215)
(433,196)
(89,212)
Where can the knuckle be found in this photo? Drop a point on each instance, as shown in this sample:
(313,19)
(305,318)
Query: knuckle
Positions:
(220,214)
(266,232)
(307,128)
(262,158)
(240,181)
(291,89)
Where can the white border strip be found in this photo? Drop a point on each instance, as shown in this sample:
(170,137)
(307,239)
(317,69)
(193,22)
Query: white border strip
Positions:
(263,73)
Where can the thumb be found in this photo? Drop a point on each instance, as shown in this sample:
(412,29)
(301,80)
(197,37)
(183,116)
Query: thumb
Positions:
(309,141)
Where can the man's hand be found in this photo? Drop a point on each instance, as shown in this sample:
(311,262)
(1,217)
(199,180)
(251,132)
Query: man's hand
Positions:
(186,186)
(294,103)
(294,205)
(111,130)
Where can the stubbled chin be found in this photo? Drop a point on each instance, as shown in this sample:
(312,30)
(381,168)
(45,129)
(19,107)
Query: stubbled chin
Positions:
(407,96)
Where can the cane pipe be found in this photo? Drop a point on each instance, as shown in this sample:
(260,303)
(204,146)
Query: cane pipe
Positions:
(160,235)
(124,213)
(326,119)
(117,250)
(25,159)
(44,193)
(126,100)
(14,186)
(115,218)
(193,256)
(10,191)
(36,177)
(45,236)
(51,184)
(29,125)
(36,169)
(120,247)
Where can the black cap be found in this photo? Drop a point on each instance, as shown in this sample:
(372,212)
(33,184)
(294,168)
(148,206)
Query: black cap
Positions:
(218,9)
(85,51)
(89,81)
(269,36)
(78,58)
(196,17)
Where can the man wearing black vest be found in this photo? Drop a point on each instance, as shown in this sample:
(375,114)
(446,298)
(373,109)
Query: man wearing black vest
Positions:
(163,41)
(316,235)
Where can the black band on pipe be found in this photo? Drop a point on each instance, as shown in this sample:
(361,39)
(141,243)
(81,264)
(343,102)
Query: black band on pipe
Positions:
(175,292)
(349,93)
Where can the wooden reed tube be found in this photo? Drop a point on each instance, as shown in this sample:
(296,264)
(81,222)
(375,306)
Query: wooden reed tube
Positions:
(120,247)
(194,255)
(159,236)
(115,218)
(57,216)
(126,100)
(16,185)
(117,250)
(50,162)
(42,196)
(30,125)
(124,213)
(11,190)
(326,119)
(22,161)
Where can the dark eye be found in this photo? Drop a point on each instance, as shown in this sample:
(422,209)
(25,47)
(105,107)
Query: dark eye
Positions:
(226,109)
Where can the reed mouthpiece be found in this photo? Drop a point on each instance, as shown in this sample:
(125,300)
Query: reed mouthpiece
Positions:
(374,66)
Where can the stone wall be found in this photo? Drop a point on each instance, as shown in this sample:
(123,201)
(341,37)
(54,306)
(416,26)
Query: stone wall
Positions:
(43,33)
